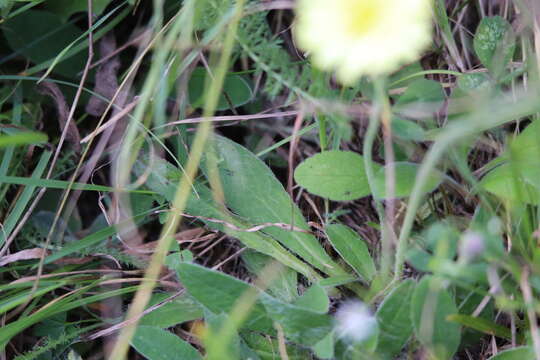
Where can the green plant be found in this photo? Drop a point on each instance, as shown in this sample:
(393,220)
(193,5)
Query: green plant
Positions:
(412,231)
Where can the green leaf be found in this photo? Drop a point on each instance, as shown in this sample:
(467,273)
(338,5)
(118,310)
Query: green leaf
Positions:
(22,138)
(430,309)
(235,89)
(407,129)
(517,178)
(324,349)
(179,310)
(438,243)
(519,353)
(155,343)
(219,293)
(494,42)
(52,327)
(65,8)
(164,178)
(352,249)
(315,299)
(52,37)
(267,347)
(482,325)
(405,180)
(472,82)
(284,287)
(252,191)
(393,316)
(336,175)
(421,99)
(506,183)
(299,324)
(405,75)
(220,340)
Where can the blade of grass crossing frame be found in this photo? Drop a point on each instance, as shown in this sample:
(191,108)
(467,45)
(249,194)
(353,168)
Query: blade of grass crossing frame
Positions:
(22,201)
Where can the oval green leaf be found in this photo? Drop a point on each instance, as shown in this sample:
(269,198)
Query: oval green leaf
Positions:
(336,175)
(494,42)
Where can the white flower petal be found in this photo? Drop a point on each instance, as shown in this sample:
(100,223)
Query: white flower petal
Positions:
(388,34)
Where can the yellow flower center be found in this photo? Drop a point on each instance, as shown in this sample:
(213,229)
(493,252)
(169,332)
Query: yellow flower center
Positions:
(360,16)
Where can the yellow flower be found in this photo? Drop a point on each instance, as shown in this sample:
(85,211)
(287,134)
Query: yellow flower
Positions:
(363,37)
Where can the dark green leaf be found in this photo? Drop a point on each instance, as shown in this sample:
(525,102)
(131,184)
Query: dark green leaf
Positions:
(42,41)
(65,8)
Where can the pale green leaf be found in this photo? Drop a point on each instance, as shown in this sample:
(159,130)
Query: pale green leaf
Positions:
(155,343)
(336,175)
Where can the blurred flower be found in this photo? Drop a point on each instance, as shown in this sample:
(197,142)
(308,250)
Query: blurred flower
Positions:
(363,37)
(355,322)
(471,245)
